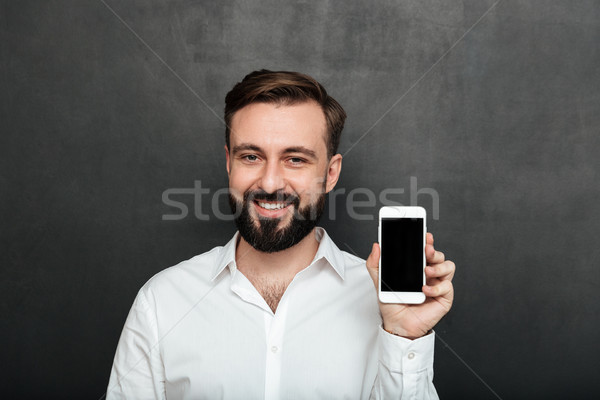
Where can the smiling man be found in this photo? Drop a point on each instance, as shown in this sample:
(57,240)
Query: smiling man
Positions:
(280,311)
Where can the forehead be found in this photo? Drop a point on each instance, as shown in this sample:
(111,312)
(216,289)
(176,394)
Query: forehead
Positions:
(277,125)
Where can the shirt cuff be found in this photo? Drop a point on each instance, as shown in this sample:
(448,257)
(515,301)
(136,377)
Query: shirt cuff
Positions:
(403,355)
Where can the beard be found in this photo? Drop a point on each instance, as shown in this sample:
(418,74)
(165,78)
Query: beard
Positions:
(265,235)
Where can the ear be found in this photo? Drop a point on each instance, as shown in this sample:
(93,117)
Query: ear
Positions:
(333,172)
(227,160)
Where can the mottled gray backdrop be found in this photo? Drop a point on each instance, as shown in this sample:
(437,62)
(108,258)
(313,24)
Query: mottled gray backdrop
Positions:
(493,107)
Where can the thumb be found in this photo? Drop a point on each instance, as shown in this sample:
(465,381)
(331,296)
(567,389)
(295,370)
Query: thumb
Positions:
(373,264)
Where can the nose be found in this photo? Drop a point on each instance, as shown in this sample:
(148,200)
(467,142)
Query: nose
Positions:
(272,178)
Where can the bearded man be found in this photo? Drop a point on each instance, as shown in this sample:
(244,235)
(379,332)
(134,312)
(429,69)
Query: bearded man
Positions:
(280,311)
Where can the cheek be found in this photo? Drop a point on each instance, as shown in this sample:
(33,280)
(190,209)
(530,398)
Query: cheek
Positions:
(239,183)
(309,189)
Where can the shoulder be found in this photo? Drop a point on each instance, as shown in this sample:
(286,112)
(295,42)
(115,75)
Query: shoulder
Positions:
(355,269)
(190,274)
(346,264)
(352,261)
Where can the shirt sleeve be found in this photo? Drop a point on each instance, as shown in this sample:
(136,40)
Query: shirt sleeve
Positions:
(405,368)
(137,371)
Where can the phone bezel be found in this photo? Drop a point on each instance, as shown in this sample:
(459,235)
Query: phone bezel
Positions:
(402,212)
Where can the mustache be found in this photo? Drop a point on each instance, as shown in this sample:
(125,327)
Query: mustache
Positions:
(278,196)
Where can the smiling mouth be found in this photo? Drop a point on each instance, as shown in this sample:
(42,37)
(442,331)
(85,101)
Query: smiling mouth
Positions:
(272,206)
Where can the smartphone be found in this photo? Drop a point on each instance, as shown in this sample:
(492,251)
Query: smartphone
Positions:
(402,261)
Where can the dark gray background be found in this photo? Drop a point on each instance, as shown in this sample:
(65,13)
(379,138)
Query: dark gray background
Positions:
(504,127)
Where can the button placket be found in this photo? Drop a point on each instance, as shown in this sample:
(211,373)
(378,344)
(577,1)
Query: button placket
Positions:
(274,339)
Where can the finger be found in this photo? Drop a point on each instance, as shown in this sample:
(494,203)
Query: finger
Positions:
(429,249)
(437,288)
(443,271)
(433,256)
(373,263)
(373,259)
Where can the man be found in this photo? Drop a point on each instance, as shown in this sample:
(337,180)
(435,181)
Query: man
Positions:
(279,312)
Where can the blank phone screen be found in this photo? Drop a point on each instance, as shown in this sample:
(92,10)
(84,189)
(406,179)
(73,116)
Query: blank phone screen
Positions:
(401,254)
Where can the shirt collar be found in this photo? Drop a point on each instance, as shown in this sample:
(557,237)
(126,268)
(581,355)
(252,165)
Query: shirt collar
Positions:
(327,250)
(226,257)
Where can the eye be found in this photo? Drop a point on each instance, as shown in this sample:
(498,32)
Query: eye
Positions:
(296,160)
(250,157)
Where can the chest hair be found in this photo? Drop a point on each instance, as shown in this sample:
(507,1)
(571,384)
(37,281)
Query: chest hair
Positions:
(271,291)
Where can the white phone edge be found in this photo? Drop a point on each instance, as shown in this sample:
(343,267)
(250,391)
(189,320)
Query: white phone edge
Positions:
(402,212)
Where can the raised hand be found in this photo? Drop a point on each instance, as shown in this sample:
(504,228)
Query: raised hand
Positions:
(415,320)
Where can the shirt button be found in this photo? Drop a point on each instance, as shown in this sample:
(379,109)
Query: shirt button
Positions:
(274,349)
(411,355)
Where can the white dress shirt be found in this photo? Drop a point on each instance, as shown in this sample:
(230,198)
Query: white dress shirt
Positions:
(200,330)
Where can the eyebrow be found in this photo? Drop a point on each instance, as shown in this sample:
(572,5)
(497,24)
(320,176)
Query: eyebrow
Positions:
(302,150)
(245,146)
(294,149)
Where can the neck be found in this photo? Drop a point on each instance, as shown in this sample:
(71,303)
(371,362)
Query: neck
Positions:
(282,265)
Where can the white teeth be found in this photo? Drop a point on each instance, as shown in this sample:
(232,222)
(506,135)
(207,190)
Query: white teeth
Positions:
(271,206)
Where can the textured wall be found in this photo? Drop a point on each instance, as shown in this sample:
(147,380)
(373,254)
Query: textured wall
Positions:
(494,106)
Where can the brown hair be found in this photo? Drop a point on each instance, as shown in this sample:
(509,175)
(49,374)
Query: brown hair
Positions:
(285,87)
